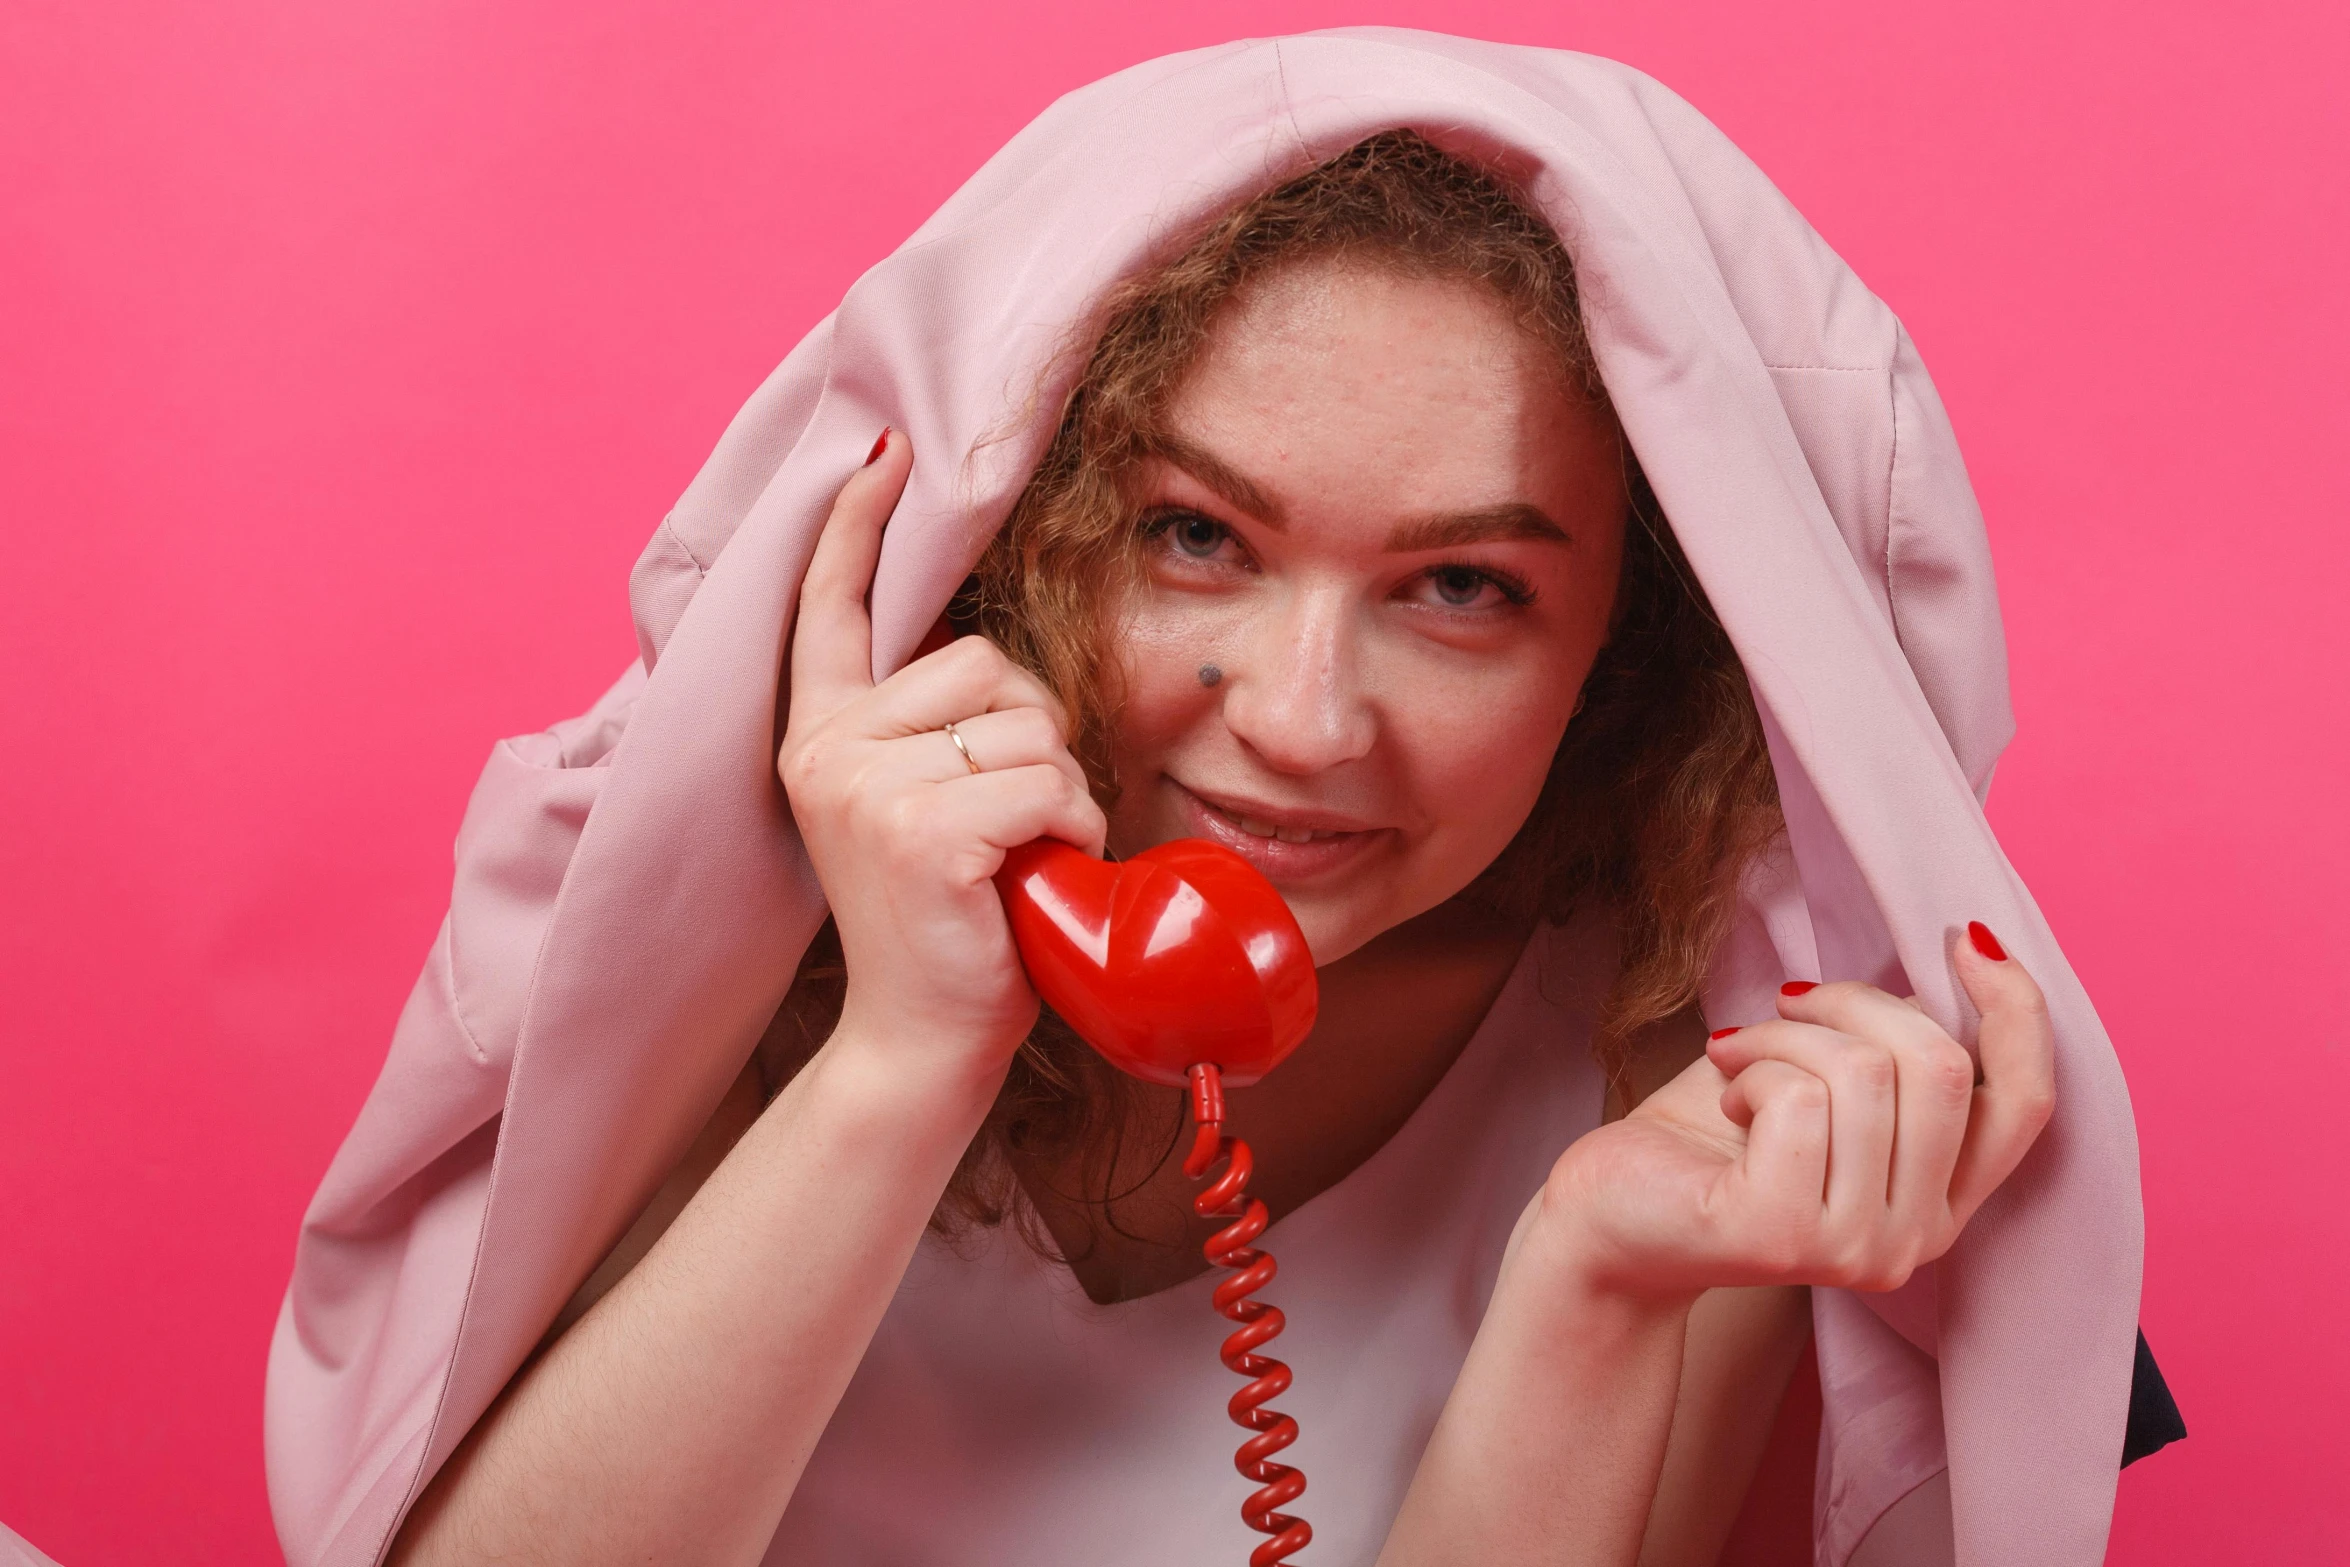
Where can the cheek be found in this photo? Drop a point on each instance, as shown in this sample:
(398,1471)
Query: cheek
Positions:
(1482,744)
(1476,748)
(1159,649)
(1479,763)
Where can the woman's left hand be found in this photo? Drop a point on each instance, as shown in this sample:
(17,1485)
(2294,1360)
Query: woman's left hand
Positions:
(1845,1142)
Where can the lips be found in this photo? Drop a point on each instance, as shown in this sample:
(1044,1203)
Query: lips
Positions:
(1288,847)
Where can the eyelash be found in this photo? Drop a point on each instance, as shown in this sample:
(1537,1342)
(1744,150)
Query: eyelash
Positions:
(1516,590)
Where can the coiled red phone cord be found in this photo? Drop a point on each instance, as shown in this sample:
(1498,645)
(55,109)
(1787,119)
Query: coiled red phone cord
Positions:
(1226,1197)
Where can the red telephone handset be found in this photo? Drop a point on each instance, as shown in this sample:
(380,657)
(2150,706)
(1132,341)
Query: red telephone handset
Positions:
(1183,956)
(1183,966)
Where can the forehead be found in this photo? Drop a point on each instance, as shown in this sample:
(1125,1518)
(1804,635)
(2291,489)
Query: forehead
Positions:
(1350,324)
(1375,392)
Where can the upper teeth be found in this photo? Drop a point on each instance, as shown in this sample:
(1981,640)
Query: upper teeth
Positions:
(1263,829)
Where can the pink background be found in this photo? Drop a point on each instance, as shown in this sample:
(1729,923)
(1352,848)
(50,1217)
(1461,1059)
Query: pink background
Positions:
(352,350)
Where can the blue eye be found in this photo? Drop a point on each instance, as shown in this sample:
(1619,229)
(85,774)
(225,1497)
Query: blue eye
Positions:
(1474,589)
(1196,536)
(1192,536)
(1458,586)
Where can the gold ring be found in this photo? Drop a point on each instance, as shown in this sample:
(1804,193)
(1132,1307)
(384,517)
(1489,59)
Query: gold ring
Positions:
(960,746)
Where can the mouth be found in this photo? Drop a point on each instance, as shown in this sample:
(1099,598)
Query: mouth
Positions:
(1288,846)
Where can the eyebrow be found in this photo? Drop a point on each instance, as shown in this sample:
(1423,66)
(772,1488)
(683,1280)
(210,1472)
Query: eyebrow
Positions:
(1220,476)
(1487,524)
(1445,530)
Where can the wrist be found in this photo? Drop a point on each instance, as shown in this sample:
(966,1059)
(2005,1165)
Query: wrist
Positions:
(968,1040)
(1564,1242)
(869,1086)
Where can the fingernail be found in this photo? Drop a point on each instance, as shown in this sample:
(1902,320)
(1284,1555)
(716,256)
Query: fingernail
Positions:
(1985,943)
(1724,1033)
(879,447)
(1796,987)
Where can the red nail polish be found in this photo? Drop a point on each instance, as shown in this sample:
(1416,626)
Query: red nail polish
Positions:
(1796,987)
(1985,943)
(879,447)
(1724,1033)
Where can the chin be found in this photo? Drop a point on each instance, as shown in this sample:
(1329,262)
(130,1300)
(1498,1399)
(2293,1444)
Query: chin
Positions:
(1333,933)
(1329,943)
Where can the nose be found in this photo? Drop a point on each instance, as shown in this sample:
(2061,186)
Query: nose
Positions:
(1296,698)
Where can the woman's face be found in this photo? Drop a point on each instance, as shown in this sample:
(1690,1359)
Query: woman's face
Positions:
(1380,552)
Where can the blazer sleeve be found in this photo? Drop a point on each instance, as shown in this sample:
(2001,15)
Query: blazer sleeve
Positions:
(385,1257)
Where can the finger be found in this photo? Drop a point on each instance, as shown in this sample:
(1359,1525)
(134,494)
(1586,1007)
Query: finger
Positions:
(1861,1079)
(969,676)
(1933,1093)
(832,646)
(1014,737)
(2018,1045)
(1019,805)
(1785,1111)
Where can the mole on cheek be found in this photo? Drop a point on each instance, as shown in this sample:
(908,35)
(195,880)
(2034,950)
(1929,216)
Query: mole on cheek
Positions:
(1209,674)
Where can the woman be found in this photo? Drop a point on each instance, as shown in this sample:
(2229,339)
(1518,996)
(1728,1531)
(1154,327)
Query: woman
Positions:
(1333,534)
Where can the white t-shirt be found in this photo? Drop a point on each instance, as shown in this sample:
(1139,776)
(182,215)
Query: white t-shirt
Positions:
(1001,1416)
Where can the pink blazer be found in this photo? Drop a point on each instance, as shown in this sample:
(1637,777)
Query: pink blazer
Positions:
(17,1551)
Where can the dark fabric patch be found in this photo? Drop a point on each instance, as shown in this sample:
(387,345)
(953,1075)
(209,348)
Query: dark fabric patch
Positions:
(2154,1415)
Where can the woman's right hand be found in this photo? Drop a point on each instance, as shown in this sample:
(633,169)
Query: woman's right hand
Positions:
(905,837)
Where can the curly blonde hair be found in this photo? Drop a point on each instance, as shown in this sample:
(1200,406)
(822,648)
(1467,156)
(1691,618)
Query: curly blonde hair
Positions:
(1661,788)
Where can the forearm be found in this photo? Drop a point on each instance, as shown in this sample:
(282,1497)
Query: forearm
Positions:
(672,1422)
(1742,1349)
(1549,1448)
